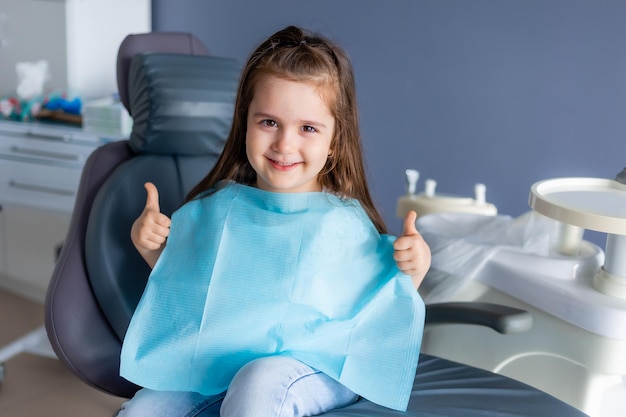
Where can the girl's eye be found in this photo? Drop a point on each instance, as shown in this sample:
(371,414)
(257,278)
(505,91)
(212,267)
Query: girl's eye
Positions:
(268,122)
(310,129)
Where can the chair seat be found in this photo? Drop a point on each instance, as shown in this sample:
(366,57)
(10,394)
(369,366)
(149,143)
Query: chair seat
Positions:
(444,388)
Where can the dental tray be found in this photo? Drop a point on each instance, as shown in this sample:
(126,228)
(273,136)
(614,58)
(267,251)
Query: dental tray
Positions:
(591,203)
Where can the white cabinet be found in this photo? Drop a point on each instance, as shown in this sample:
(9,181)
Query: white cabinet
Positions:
(3,248)
(31,237)
(40,168)
(78,38)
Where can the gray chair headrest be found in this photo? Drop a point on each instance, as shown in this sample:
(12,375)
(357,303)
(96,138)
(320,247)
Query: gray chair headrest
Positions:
(170,42)
(181,104)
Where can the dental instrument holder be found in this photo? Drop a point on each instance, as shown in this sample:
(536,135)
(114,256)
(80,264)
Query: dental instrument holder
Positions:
(588,203)
(430,202)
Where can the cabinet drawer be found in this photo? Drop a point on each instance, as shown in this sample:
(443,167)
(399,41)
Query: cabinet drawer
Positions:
(46,152)
(37,185)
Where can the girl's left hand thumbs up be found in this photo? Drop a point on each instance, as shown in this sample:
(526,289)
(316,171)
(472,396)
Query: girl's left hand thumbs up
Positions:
(411,252)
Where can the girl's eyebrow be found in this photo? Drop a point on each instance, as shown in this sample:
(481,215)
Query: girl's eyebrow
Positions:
(304,122)
(263,115)
(313,123)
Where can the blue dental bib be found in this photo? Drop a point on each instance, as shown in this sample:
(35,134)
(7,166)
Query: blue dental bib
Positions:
(248,273)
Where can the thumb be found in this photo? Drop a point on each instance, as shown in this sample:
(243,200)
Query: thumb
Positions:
(408,226)
(152,199)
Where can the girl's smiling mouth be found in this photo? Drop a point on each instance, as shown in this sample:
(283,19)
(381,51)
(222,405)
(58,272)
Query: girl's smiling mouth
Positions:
(283,166)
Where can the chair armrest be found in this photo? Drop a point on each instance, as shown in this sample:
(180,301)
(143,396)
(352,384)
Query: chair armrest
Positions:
(500,318)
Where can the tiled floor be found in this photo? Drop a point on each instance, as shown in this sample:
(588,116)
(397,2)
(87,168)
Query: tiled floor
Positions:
(39,386)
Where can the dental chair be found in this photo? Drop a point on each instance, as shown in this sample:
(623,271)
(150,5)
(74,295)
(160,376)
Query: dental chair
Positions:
(178,133)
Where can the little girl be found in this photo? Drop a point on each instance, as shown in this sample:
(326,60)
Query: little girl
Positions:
(277,293)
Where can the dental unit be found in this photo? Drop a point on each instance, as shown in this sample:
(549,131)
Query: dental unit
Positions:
(575,290)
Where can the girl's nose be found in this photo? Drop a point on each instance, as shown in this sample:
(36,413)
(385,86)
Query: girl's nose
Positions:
(285,142)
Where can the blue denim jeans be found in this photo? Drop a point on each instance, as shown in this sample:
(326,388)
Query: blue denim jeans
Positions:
(274,386)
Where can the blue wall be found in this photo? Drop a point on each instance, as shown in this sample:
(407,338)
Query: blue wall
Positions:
(504,92)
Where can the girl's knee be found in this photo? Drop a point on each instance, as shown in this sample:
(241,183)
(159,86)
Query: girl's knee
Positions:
(282,386)
(271,371)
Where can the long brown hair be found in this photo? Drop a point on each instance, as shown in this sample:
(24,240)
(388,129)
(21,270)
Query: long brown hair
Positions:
(293,54)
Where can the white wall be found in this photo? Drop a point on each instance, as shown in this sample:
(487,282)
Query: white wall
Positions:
(78,38)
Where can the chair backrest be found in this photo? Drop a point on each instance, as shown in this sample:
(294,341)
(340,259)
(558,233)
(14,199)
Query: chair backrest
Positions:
(181,101)
(172,42)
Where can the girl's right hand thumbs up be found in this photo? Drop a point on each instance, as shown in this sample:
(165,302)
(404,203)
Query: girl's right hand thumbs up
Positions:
(152,199)
(151,228)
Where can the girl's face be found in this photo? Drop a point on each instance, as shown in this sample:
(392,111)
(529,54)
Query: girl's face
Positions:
(290,130)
